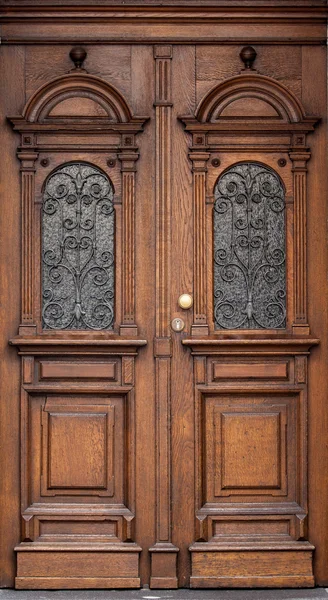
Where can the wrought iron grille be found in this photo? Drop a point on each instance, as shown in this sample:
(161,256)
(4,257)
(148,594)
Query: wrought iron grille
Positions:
(249,249)
(78,249)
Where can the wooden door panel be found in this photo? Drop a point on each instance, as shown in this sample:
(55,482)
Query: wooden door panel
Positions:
(249,370)
(78,448)
(147,455)
(63,370)
(257,465)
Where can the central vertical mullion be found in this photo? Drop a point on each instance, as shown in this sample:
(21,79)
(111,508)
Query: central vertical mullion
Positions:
(163,553)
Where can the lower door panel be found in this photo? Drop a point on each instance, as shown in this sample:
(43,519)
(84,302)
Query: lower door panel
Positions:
(78,467)
(251,482)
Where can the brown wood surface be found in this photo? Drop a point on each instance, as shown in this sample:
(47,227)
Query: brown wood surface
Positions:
(144,455)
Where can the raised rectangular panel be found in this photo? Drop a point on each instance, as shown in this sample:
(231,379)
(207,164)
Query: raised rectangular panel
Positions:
(81,447)
(250,370)
(250,447)
(79,139)
(244,141)
(77,447)
(262,527)
(74,529)
(78,451)
(249,450)
(78,370)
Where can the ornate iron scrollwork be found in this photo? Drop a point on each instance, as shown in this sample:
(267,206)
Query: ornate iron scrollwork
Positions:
(78,249)
(249,249)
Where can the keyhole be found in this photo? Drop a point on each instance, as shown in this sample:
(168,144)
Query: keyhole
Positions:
(177,324)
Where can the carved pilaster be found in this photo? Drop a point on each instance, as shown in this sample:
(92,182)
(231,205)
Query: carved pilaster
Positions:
(299,159)
(128,158)
(27,157)
(163,553)
(163,107)
(199,166)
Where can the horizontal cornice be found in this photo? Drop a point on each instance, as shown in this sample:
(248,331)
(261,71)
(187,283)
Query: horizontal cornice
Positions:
(154,22)
(174,12)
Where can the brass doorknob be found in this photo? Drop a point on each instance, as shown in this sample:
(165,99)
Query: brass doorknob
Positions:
(185,301)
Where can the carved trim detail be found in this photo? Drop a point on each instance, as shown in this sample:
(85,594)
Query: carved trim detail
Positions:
(27,199)
(215,131)
(128,160)
(301,369)
(37,125)
(299,169)
(163,111)
(199,162)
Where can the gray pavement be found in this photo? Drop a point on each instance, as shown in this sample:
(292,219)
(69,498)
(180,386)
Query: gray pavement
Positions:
(182,594)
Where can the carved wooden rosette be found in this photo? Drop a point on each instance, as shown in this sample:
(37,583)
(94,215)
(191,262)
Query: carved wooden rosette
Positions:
(78,385)
(163,553)
(250,378)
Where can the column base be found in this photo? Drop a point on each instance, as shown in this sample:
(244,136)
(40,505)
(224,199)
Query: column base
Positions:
(164,566)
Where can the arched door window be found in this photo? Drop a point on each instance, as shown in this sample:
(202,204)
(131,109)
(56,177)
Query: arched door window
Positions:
(249,249)
(78,249)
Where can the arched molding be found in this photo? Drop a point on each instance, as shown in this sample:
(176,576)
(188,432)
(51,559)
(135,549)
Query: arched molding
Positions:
(244,86)
(73,85)
(86,118)
(254,115)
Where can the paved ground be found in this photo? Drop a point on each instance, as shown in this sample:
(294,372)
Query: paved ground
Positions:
(146,594)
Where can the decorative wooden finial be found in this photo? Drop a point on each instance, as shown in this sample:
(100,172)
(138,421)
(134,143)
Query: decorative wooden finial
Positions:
(248,56)
(78,56)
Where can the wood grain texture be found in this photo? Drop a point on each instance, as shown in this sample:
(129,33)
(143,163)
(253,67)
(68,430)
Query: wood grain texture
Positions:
(188,440)
(69,565)
(284,569)
(183,94)
(250,371)
(111,63)
(27,266)
(216,63)
(163,98)
(128,243)
(299,160)
(199,168)
(76,583)
(163,190)
(12,97)
(143,84)
(218,24)
(315,98)
(83,370)
(87,450)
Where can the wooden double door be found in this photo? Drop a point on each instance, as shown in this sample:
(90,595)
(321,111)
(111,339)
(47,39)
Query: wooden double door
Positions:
(164,321)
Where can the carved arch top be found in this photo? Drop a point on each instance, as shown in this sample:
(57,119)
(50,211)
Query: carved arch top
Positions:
(77,96)
(250,96)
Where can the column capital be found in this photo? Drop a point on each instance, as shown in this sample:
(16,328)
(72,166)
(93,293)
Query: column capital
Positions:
(27,159)
(199,161)
(128,160)
(299,159)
